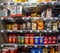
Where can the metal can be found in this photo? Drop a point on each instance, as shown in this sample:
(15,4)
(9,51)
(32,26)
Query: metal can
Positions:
(21,40)
(14,39)
(28,25)
(45,50)
(4,50)
(40,50)
(41,40)
(36,40)
(34,25)
(10,39)
(45,39)
(13,50)
(40,24)
(9,26)
(31,40)
(26,40)
(55,26)
(24,26)
(52,50)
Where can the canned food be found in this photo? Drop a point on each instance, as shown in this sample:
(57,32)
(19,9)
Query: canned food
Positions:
(28,25)
(5,50)
(9,26)
(45,50)
(27,40)
(55,26)
(14,39)
(10,39)
(13,50)
(24,26)
(21,40)
(52,50)
(31,40)
(34,26)
(45,39)
(40,24)
(40,0)
(41,40)
(36,40)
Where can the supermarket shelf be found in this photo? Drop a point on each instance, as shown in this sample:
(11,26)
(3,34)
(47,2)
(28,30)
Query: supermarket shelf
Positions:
(31,18)
(30,4)
(15,45)
(30,31)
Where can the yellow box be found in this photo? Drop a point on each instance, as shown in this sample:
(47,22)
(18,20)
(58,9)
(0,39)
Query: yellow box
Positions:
(40,0)
(20,1)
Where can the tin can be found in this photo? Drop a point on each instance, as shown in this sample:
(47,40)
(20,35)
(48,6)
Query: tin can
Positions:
(24,26)
(27,40)
(14,39)
(55,26)
(13,10)
(10,39)
(15,26)
(13,50)
(4,50)
(45,39)
(9,26)
(19,11)
(21,27)
(36,40)
(31,40)
(21,40)
(40,50)
(45,50)
(34,26)
(52,50)
(41,40)
(28,26)
(40,24)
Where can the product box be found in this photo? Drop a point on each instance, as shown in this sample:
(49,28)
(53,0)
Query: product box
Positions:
(47,0)
(49,13)
(40,50)
(18,11)
(46,40)
(5,13)
(12,11)
(40,0)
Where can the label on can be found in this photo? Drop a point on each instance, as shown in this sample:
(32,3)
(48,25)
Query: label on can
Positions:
(31,40)
(14,39)
(24,26)
(40,0)
(19,11)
